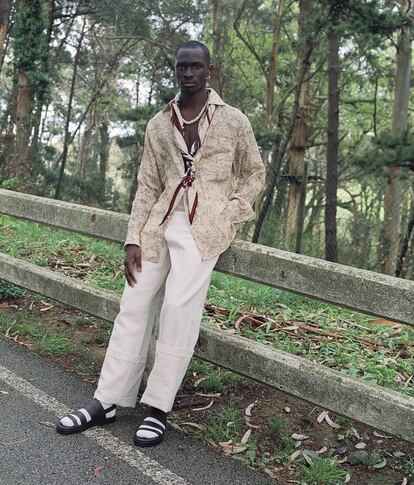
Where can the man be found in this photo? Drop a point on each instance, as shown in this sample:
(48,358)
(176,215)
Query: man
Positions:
(200,174)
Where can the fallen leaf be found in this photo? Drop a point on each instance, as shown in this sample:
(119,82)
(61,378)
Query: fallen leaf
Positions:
(347,478)
(238,449)
(204,407)
(46,309)
(322,450)
(287,409)
(98,470)
(300,437)
(246,437)
(381,464)
(361,445)
(308,459)
(194,425)
(248,410)
(331,423)
(404,482)
(398,454)
(295,454)
(250,425)
(381,435)
(225,443)
(197,382)
(212,394)
(321,416)
(3,392)
(270,473)
(49,424)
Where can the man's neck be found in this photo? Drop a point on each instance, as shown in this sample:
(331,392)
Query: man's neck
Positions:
(193,101)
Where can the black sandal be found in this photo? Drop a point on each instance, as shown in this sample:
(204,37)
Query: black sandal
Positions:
(150,425)
(97,413)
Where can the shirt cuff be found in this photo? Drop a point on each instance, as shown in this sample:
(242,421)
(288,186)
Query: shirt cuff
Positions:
(132,241)
(240,210)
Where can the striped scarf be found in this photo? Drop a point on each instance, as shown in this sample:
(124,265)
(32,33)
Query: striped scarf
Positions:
(186,182)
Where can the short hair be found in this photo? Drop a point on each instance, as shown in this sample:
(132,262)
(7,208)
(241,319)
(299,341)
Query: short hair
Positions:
(194,44)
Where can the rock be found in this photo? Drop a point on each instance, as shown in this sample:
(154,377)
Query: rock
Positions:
(357,457)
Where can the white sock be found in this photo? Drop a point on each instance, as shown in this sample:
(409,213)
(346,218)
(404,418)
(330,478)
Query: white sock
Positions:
(146,433)
(68,422)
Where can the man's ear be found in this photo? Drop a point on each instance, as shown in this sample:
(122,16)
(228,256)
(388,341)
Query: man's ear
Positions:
(211,69)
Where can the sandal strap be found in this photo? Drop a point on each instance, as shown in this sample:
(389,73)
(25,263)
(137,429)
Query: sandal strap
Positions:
(154,422)
(96,410)
(111,408)
(80,415)
(75,423)
(150,428)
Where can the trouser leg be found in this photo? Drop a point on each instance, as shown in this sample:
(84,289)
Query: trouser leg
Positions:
(126,355)
(185,293)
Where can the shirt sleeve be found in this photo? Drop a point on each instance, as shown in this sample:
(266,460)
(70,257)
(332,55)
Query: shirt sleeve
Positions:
(250,172)
(148,191)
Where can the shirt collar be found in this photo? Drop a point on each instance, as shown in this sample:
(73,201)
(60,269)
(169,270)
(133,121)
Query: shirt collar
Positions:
(213,98)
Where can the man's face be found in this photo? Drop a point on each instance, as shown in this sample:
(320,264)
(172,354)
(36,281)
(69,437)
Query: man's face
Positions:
(191,69)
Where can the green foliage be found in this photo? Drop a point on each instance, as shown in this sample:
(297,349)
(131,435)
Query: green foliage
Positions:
(11,183)
(388,149)
(323,472)
(9,290)
(30,44)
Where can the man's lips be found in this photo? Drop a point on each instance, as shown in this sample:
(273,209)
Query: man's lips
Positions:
(189,83)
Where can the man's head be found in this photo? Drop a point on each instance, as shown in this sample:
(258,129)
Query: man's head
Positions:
(192,66)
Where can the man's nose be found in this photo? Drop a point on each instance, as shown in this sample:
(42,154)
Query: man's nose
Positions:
(188,73)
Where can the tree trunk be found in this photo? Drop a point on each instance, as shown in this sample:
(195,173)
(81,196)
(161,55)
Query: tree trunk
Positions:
(5,8)
(297,188)
(103,157)
(69,112)
(391,229)
(21,167)
(406,242)
(84,144)
(217,15)
(331,251)
(43,95)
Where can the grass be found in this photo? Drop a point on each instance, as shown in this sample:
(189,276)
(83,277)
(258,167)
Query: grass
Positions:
(55,344)
(409,465)
(68,252)
(225,424)
(371,459)
(21,323)
(323,472)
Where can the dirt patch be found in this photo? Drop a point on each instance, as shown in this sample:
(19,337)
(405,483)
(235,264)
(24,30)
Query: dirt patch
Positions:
(269,428)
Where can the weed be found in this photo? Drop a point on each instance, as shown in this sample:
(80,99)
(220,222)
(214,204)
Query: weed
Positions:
(199,367)
(285,449)
(55,344)
(371,459)
(409,465)
(212,383)
(9,290)
(323,472)
(225,424)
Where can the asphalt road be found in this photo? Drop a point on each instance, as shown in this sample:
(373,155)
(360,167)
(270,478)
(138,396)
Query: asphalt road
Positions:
(35,392)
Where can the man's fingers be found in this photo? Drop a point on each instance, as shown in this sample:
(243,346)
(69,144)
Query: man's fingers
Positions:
(138,261)
(129,272)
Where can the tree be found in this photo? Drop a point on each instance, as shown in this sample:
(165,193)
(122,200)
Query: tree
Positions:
(391,229)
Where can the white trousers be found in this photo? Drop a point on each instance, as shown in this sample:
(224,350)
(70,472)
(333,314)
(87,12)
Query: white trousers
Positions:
(187,278)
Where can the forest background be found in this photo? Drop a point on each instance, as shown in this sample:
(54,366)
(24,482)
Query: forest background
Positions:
(326,85)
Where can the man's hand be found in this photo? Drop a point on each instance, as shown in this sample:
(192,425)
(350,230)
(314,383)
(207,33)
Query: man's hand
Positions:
(132,254)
